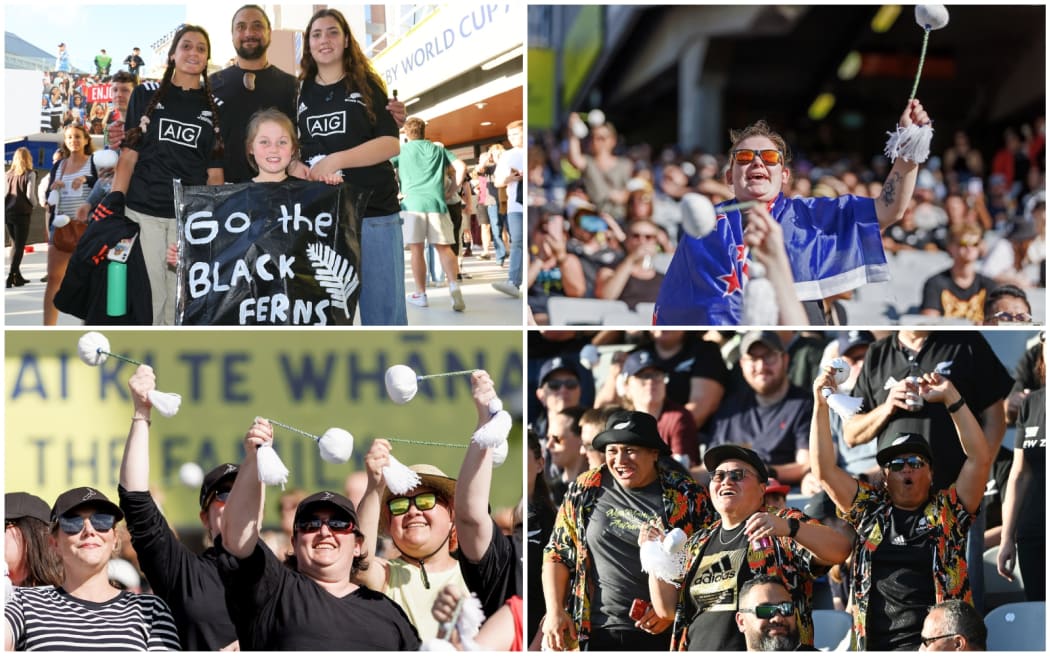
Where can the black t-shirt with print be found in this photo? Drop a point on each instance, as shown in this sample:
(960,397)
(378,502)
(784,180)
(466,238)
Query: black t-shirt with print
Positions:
(714,592)
(1031,436)
(942,293)
(612,536)
(177,144)
(273,88)
(973,368)
(696,359)
(902,588)
(330,120)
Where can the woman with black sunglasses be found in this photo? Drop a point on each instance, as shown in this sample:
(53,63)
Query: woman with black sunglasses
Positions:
(904,526)
(86,612)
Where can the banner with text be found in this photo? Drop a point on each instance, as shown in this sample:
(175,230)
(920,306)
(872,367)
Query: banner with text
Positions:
(283,254)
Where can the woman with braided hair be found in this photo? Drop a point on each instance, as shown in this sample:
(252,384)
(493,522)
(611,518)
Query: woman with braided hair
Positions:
(176,136)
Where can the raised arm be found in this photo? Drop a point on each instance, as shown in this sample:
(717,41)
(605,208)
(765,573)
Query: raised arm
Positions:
(473,524)
(974,473)
(134,467)
(369,512)
(766,239)
(900,183)
(840,486)
(241,519)
(576,157)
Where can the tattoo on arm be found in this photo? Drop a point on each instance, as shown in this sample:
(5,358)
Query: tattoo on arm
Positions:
(889,190)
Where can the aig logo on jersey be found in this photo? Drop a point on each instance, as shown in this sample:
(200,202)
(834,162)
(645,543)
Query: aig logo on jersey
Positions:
(325,124)
(183,134)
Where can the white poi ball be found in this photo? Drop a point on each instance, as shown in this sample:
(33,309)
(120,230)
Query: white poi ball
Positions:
(401,383)
(336,445)
(841,368)
(105,159)
(933,16)
(698,215)
(674,540)
(499,454)
(93,348)
(191,474)
(60,221)
(596,118)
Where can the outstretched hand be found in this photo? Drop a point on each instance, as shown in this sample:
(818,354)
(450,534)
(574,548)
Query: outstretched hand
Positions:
(914,114)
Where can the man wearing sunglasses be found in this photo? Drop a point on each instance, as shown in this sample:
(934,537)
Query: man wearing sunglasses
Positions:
(310,602)
(954,625)
(86,612)
(834,244)
(748,539)
(766,616)
(189,582)
(911,551)
(559,387)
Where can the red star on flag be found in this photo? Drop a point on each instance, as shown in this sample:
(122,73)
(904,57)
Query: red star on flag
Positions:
(732,282)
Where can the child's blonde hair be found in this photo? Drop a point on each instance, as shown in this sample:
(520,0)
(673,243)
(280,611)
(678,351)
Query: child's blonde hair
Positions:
(269,114)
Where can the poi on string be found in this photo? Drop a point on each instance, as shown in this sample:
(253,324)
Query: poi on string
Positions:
(93,348)
(844,405)
(336,446)
(913,142)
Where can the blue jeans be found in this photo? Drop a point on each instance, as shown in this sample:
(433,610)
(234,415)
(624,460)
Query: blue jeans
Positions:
(496,220)
(515,226)
(382,299)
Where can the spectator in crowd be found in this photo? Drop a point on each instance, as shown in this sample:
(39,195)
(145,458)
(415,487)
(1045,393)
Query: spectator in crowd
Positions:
(1023,539)
(776,494)
(488,201)
(771,415)
(766,616)
(859,460)
(309,601)
(62,60)
(635,279)
(501,631)
(28,556)
(604,173)
(565,448)
(1017,258)
(509,174)
(906,235)
(595,239)
(1011,162)
(954,625)
(592,422)
(962,161)
(121,86)
(960,291)
(743,542)
(908,522)
(1005,305)
(553,271)
(134,64)
(19,203)
(541,511)
(644,382)
(86,612)
(591,569)
(102,64)
(557,388)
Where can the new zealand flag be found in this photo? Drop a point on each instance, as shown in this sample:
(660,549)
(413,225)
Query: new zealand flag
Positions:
(834,246)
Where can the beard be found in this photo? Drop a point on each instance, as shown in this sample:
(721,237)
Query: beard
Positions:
(781,642)
(252,51)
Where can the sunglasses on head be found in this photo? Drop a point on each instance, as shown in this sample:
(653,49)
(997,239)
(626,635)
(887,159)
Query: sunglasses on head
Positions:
(314,524)
(913,462)
(74,524)
(555,385)
(736,475)
(769,156)
(423,501)
(767,611)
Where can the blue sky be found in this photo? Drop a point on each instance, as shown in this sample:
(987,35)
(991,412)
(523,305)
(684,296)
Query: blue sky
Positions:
(85,28)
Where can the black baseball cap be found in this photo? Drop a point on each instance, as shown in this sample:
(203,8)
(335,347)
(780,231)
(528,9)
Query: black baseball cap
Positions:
(83,496)
(891,447)
(630,427)
(555,364)
(719,454)
(638,360)
(325,499)
(222,473)
(23,504)
(767,337)
(854,338)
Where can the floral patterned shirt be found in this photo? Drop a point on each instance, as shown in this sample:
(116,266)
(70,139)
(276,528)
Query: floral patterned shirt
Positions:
(870,515)
(686,506)
(785,559)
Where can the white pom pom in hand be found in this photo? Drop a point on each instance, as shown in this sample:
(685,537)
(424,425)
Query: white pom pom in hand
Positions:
(191,474)
(931,16)
(401,384)
(674,540)
(499,453)
(166,403)
(336,445)
(665,566)
(60,221)
(93,348)
(698,215)
(105,159)
(495,431)
(399,478)
(271,470)
(841,368)
(437,644)
(495,405)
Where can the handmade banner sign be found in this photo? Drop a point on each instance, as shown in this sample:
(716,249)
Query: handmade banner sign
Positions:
(284,254)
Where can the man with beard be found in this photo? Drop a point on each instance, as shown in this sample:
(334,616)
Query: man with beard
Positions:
(766,616)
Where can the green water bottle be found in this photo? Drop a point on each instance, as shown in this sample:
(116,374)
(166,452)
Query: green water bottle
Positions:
(116,289)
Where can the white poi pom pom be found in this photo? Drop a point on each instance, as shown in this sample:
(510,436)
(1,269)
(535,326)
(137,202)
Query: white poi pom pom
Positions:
(499,453)
(495,431)
(698,215)
(495,405)
(166,403)
(105,159)
(401,384)
(93,348)
(191,474)
(336,445)
(760,299)
(437,644)
(912,143)
(844,405)
(399,478)
(595,118)
(931,16)
(589,356)
(469,622)
(53,198)
(841,368)
(674,540)
(60,221)
(665,566)
(271,470)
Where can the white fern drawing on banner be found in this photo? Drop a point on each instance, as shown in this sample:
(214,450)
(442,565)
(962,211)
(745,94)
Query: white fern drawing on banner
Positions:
(335,273)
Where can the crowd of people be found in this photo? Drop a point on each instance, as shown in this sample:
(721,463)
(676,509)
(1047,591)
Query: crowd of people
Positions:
(603,208)
(426,200)
(70,98)
(805,470)
(326,588)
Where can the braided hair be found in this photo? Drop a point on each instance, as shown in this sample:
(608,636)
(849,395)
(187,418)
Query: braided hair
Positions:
(359,71)
(135,134)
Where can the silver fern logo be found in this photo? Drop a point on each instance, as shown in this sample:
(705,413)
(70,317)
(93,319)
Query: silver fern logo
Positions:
(335,274)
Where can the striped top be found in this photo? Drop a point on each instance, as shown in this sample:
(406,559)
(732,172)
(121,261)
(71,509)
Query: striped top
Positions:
(49,619)
(71,199)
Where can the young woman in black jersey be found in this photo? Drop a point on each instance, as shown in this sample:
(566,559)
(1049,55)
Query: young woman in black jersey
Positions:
(175,136)
(344,126)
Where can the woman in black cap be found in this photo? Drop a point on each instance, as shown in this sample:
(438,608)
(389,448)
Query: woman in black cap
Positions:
(308,603)
(29,558)
(86,613)
(595,592)
(904,526)
(188,581)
